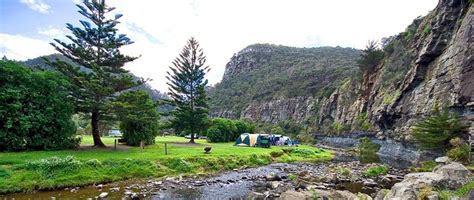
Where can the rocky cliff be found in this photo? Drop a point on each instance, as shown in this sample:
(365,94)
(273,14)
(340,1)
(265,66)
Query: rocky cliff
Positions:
(430,63)
(271,83)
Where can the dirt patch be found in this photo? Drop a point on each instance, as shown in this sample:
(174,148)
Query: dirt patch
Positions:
(186,144)
(88,147)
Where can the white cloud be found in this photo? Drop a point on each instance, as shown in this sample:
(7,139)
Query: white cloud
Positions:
(77,1)
(19,47)
(37,5)
(52,32)
(160,28)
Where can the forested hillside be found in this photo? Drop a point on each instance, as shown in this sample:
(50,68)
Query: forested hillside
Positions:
(263,72)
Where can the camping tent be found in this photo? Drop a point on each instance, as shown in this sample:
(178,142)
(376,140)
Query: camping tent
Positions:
(252,140)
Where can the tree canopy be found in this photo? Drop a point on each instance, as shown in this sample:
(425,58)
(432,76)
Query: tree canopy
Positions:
(95,48)
(187,90)
(36,111)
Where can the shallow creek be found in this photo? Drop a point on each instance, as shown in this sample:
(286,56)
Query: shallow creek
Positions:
(235,184)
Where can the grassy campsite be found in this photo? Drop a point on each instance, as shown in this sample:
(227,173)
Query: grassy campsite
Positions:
(33,170)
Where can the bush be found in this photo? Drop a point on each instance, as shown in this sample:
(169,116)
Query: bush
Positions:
(344,171)
(426,166)
(35,110)
(227,130)
(362,121)
(138,117)
(436,131)
(368,150)
(460,153)
(376,171)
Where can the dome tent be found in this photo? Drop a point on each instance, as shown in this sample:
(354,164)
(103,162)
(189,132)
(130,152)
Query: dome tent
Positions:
(252,140)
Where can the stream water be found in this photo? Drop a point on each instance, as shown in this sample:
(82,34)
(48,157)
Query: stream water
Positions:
(228,185)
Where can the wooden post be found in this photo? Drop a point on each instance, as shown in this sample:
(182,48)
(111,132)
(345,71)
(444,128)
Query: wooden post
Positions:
(142,145)
(166,148)
(115,144)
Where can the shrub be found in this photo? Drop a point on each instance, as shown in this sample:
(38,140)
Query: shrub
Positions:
(427,29)
(362,121)
(344,171)
(368,150)
(456,142)
(376,171)
(306,138)
(35,110)
(337,127)
(426,166)
(435,131)
(424,192)
(460,153)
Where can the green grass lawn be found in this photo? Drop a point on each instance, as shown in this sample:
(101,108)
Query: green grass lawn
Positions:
(26,171)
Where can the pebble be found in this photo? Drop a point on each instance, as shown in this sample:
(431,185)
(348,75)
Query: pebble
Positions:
(103,195)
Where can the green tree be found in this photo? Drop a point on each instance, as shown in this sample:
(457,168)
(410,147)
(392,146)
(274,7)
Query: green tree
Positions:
(227,130)
(138,117)
(95,47)
(435,131)
(370,57)
(35,110)
(187,90)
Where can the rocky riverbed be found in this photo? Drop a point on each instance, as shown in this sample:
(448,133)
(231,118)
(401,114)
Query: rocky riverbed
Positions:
(272,181)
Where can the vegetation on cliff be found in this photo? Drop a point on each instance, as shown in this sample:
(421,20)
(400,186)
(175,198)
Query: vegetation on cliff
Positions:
(264,72)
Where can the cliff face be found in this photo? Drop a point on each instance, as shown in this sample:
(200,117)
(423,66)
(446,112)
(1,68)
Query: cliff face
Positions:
(429,64)
(272,83)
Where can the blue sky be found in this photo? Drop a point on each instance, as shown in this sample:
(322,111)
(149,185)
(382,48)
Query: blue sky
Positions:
(160,28)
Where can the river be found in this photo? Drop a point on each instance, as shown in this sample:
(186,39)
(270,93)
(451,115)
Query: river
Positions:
(233,184)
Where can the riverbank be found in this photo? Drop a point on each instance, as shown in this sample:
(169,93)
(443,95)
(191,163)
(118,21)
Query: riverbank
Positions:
(270,181)
(50,170)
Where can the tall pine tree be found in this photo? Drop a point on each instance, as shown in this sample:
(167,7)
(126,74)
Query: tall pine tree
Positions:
(187,90)
(95,47)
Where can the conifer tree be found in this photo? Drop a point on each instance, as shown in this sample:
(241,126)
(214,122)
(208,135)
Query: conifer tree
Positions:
(95,48)
(435,131)
(370,57)
(187,90)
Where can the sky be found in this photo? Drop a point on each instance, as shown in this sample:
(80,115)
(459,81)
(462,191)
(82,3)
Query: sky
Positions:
(160,28)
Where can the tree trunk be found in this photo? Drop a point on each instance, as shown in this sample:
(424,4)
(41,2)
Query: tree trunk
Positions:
(95,129)
(192,136)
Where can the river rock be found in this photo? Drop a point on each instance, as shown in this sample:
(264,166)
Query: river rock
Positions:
(442,160)
(324,194)
(256,195)
(275,184)
(103,195)
(273,177)
(454,175)
(449,176)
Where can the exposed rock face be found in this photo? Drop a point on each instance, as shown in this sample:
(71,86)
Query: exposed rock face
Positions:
(282,109)
(429,64)
(439,53)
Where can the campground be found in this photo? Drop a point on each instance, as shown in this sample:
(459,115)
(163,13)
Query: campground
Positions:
(45,170)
